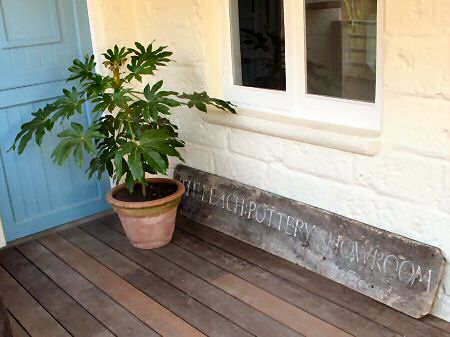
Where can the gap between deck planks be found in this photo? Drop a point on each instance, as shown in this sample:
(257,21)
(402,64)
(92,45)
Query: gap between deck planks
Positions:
(111,314)
(437,322)
(145,308)
(308,301)
(36,320)
(311,325)
(342,306)
(325,288)
(180,303)
(73,317)
(16,329)
(272,306)
(399,325)
(203,283)
(223,303)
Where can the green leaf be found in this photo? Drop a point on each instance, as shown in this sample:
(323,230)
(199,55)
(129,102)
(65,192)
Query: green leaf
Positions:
(76,140)
(157,86)
(38,126)
(77,127)
(24,141)
(104,102)
(157,102)
(145,61)
(121,98)
(130,134)
(78,154)
(70,103)
(160,141)
(89,146)
(129,181)
(118,159)
(135,164)
(82,71)
(155,161)
(202,100)
(62,152)
(115,56)
(97,85)
(201,106)
(147,92)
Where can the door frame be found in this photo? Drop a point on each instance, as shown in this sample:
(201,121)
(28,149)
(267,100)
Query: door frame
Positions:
(85,43)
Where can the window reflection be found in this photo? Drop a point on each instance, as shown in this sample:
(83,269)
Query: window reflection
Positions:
(341,48)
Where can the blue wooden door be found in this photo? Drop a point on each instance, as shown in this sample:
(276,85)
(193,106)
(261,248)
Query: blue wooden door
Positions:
(38,41)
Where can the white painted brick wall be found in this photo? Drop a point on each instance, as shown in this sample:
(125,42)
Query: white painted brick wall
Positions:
(418,125)
(402,175)
(404,189)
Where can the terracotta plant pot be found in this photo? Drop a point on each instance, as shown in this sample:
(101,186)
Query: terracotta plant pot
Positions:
(148,224)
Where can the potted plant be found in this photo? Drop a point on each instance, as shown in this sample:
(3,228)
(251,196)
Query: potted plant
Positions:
(130,135)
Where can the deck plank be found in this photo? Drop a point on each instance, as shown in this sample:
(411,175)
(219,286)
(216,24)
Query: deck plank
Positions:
(280,310)
(117,319)
(437,322)
(16,329)
(36,320)
(293,317)
(76,320)
(149,311)
(317,284)
(5,324)
(316,305)
(88,281)
(236,311)
(198,315)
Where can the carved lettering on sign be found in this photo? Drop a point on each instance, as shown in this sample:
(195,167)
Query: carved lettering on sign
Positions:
(408,272)
(395,270)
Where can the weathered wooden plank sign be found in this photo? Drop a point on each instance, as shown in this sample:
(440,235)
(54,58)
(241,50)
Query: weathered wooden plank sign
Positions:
(400,272)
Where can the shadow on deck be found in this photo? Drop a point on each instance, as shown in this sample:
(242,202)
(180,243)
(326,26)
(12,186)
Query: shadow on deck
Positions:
(89,281)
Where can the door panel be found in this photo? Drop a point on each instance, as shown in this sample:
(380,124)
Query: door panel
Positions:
(41,14)
(36,194)
(31,58)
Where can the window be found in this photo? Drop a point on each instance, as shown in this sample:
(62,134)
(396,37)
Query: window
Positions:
(261,45)
(341,48)
(311,59)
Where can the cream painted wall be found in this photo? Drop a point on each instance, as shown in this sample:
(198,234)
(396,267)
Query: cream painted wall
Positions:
(112,22)
(2,235)
(404,188)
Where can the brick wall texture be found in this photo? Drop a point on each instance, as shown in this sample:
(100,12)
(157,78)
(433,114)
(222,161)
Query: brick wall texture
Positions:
(405,188)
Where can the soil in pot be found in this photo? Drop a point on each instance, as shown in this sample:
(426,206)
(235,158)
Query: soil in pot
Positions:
(154,191)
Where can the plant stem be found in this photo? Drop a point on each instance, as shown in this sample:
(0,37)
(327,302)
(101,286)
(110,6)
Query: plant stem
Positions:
(116,75)
(144,190)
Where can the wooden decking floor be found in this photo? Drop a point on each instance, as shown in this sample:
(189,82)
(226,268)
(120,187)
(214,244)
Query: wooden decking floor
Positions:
(89,281)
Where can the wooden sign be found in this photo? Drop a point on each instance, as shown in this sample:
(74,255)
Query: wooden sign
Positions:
(400,272)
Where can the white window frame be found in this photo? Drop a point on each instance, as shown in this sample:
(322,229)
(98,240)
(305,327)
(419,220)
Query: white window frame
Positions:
(295,102)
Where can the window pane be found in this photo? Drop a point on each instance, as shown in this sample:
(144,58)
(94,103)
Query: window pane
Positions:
(258,48)
(341,48)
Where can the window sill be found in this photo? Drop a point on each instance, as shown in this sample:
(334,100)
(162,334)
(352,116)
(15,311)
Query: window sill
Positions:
(354,140)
